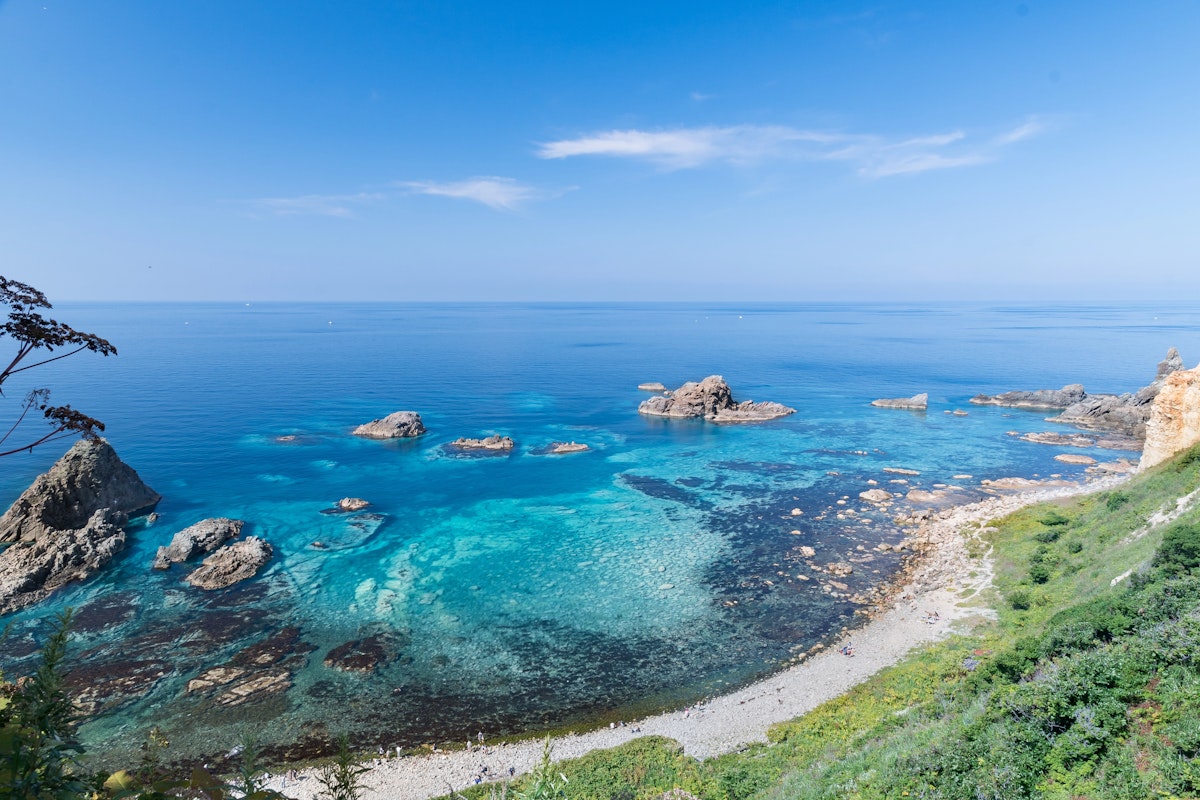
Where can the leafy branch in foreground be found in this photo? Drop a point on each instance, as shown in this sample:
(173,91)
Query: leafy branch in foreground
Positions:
(31,331)
(341,779)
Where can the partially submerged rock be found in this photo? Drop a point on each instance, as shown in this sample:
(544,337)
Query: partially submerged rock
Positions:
(232,563)
(1074,458)
(69,523)
(652,386)
(876,496)
(352,504)
(203,537)
(918,402)
(1174,423)
(711,399)
(399,425)
(487,443)
(360,655)
(559,448)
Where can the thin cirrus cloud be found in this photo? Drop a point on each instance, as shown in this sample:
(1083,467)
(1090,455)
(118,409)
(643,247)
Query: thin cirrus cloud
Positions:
(502,194)
(872,156)
(321,205)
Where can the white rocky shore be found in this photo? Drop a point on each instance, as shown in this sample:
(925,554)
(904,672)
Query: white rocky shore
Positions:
(944,591)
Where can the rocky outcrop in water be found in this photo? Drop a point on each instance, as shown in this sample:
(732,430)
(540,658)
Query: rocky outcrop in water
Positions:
(352,504)
(232,563)
(487,443)
(400,425)
(918,402)
(561,448)
(652,386)
(203,537)
(89,477)
(711,399)
(1040,399)
(1126,414)
(69,523)
(1174,423)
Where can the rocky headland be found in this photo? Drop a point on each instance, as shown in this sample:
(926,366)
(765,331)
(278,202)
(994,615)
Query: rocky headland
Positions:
(69,523)
(1174,422)
(711,399)
(1125,414)
(399,425)
(918,402)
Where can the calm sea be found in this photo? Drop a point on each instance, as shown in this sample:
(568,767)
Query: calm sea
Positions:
(518,592)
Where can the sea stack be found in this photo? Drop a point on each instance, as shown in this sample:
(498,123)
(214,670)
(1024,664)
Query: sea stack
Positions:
(69,523)
(711,399)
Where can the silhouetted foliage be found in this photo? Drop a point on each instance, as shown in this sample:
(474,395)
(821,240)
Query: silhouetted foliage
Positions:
(32,332)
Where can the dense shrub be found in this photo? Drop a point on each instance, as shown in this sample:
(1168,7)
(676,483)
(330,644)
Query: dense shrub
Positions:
(1116,500)
(1179,552)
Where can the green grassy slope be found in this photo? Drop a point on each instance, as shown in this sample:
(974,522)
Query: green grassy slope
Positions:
(1080,689)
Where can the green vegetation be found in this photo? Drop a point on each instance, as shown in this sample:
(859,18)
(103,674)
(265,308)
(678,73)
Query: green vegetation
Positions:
(1086,686)
(1083,688)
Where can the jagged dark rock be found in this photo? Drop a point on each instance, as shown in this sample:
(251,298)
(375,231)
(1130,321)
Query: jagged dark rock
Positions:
(69,523)
(232,563)
(203,537)
(712,400)
(400,425)
(918,402)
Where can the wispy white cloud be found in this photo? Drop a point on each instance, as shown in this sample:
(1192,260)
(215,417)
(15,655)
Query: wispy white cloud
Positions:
(323,205)
(687,147)
(873,156)
(502,194)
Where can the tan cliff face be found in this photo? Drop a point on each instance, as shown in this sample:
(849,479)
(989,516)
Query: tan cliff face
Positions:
(1175,419)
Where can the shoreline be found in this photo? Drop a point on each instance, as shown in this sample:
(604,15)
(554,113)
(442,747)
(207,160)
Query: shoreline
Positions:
(935,593)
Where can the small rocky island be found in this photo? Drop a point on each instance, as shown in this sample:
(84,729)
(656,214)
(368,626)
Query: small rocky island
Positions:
(561,448)
(711,399)
(1126,414)
(652,386)
(399,425)
(496,443)
(69,523)
(918,402)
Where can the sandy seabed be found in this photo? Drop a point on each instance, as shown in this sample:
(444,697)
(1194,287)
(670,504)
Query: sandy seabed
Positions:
(943,590)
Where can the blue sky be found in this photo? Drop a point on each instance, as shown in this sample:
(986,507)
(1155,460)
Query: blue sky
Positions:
(191,150)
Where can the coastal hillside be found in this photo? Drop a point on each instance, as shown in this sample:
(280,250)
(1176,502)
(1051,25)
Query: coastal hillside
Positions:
(1087,685)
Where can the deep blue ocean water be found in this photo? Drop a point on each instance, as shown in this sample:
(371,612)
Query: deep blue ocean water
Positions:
(515,592)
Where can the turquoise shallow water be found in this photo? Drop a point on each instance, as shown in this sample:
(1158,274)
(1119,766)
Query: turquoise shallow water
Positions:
(513,592)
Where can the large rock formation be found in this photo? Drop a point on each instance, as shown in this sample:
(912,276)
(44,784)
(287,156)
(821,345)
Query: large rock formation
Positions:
(712,400)
(400,425)
(232,563)
(203,537)
(1126,414)
(918,402)
(1175,417)
(68,523)
(87,478)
